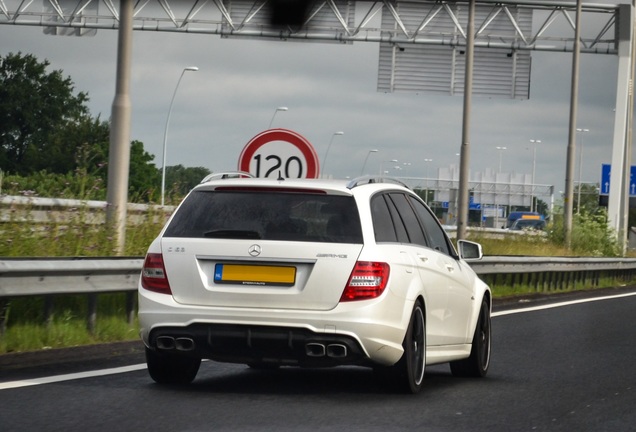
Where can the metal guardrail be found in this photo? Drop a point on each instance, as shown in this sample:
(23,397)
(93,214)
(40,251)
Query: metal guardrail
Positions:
(547,274)
(523,264)
(52,277)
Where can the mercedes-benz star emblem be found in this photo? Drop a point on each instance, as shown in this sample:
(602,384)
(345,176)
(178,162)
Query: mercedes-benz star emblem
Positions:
(254,250)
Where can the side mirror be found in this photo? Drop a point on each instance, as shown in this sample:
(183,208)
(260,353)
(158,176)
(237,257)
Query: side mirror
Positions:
(469,251)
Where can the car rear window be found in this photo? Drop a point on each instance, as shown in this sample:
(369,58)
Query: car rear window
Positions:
(270,215)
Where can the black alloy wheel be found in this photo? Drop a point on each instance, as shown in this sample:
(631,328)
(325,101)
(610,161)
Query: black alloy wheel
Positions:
(407,375)
(477,364)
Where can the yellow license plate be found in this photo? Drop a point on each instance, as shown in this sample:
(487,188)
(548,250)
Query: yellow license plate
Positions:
(254,274)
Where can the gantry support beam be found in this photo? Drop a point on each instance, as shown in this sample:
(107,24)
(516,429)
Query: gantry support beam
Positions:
(415,21)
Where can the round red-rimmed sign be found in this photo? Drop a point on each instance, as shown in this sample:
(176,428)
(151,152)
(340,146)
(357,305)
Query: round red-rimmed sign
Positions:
(277,153)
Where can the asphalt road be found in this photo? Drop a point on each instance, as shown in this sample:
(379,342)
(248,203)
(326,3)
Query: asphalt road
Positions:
(566,368)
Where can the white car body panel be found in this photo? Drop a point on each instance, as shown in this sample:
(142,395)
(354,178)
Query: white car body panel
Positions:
(322,271)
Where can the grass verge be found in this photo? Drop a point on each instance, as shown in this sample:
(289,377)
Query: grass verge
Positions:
(29,329)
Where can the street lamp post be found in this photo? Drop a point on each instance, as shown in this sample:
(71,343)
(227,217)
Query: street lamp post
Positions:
(165,134)
(500,150)
(277,109)
(426,161)
(366,159)
(578,199)
(534,166)
(324,161)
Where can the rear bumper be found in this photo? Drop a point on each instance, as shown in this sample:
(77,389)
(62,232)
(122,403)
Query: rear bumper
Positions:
(361,333)
(259,345)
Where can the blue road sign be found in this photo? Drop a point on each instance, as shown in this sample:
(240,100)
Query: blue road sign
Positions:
(605,179)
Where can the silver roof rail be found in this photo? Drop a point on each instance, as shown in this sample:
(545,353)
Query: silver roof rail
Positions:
(226,174)
(374,179)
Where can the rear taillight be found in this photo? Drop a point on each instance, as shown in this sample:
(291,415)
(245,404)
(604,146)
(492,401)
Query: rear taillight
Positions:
(153,274)
(367,281)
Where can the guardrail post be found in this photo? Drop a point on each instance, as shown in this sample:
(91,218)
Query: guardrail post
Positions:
(131,306)
(4,308)
(49,303)
(92,313)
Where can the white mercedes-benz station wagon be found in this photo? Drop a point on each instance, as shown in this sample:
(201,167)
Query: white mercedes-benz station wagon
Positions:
(311,273)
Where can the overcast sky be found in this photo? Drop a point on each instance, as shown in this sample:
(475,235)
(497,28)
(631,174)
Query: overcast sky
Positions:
(328,88)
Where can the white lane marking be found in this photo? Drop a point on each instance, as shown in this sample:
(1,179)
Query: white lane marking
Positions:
(124,369)
(68,377)
(560,304)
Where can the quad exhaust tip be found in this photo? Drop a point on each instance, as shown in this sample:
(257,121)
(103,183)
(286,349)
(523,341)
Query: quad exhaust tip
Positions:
(169,343)
(314,349)
(336,351)
(184,344)
(165,343)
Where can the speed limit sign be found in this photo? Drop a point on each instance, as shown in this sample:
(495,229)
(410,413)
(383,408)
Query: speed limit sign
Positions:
(277,153)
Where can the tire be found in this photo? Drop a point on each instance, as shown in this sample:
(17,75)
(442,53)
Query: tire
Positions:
(166,368)
(477,364)
(407,375)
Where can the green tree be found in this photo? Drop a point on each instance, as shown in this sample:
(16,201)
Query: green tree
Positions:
(79,146)
(48,135)
(35,105)
(588,194)
(90,138)
(144,181)
(92,160)
(179,180)
(541,207)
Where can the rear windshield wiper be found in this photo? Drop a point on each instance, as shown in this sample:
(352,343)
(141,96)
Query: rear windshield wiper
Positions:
(232,234)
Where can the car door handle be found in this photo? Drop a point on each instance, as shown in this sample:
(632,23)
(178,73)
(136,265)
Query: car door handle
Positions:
(423,258)
(450,267)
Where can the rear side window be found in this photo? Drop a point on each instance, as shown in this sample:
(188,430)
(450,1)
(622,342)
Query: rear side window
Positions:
(270,215)
(388,224)
(436,235)
(382,221)
(413,228)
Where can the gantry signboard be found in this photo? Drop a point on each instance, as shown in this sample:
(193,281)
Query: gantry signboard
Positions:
(497,72)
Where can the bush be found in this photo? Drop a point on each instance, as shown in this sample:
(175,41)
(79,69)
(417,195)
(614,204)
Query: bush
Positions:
(77,185)
(591,235)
